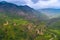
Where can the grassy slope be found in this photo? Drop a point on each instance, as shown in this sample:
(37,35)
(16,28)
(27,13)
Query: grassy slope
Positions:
(15,28)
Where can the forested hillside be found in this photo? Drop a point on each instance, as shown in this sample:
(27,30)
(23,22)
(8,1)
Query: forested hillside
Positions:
(25,23)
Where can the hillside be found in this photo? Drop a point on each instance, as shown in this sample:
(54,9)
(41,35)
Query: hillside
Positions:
(26,23)
(52,13)
(54,23)
(22,11)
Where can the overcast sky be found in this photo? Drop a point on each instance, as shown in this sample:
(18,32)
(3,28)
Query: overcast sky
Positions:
(37,4)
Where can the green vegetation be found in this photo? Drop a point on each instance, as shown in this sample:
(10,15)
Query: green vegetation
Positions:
(15,28)
(55,28)
(25,23)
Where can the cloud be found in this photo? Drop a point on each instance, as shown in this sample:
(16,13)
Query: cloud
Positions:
(45,4)
(34,1)
(37,4)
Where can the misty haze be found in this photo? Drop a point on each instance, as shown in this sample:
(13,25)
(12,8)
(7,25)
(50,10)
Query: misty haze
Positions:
(29,20)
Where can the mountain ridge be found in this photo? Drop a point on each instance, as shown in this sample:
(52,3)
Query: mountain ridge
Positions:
(51,12)
(25,12)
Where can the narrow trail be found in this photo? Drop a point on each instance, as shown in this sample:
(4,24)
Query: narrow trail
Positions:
(54,36)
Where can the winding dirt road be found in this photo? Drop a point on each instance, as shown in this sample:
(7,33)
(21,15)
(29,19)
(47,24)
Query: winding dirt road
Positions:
(54,36)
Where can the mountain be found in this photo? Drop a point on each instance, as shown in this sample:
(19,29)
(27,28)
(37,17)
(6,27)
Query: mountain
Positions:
(51,12)
(26,23)
(54,23)
(24,12)
(53,20)
(54,15)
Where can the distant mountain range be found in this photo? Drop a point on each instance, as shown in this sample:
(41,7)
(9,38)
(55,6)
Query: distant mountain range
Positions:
(52,13)
(24,12)
(27,12)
